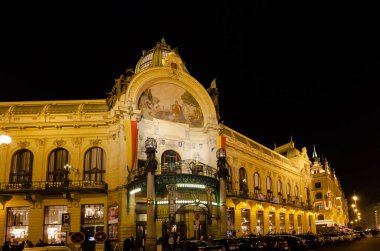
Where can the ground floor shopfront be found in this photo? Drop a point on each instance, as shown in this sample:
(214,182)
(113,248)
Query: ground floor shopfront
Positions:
(245,217)
(52,220)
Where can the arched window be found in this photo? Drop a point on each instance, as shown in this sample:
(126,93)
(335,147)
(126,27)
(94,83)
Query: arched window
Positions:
(58,158)
(22,167)
(279,187)
(229,179)
(257,183)
(296,191)
(243,180)
(288,189)
(168,161)
(94,164)
(321,217)
(269,185)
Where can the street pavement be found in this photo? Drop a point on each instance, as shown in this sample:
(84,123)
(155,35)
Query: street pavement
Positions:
(368,244)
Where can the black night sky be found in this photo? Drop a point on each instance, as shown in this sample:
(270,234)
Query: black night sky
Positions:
(306,70)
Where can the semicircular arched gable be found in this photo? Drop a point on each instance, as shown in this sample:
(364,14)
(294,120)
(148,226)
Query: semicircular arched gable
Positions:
(192,91)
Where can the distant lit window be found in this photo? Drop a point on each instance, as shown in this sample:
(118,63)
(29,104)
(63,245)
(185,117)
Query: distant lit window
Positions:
(257,183)
(94,164)
(58,158)
(146,61)
(229,179)
(22,167)
(288,189)
(296,191)
(243,179)
(279,187)
(269,184)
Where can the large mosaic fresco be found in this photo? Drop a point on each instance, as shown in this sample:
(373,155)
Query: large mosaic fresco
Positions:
(172,103)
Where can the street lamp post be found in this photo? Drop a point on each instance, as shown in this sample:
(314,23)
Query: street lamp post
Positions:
(222,175)
(150,168)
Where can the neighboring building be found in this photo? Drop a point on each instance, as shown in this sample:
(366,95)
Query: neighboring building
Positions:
(329,198)
(92,159)
(372,215)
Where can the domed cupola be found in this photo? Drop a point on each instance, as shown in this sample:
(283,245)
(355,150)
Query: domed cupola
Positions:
(160,55)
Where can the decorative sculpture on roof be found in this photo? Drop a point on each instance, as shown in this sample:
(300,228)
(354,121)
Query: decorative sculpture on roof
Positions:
(119,87)
(214,94)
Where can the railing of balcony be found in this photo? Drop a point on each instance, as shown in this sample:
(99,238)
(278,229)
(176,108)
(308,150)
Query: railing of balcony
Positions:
(188,166)
(270,198)
(49,187)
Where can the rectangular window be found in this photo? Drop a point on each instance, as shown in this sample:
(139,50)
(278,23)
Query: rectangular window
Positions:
(53,225)
(282,222)
(299,223)
(231,222)
(291,223)
(245,221)
(17,224)
(318,185)
(92,220)
(272,222)
(310,221)
(260,222)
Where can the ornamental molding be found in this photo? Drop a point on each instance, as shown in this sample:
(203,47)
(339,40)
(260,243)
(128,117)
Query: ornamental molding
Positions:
(23,144)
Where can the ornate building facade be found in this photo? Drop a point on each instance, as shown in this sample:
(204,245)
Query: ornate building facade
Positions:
(330,201)
(148,161)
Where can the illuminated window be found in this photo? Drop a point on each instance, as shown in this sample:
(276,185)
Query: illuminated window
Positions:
(17,224)
(291,223)
(245,221)
(296,191)
(260,222)
(282,222)
(169,160)
(22,167)
(53,224)
(272,222)
(269,184)
(257,183)
(57,160)
(243,180)
(288,189)
(231,222)
(95,164)
(299,223)
(146,61)
(279,187)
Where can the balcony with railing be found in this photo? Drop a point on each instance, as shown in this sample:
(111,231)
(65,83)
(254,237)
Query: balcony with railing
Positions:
(47,187)
(185,172)
(270,198)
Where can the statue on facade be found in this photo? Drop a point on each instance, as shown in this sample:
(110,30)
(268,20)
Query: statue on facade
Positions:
(150,150)
(119,87)
(214,94)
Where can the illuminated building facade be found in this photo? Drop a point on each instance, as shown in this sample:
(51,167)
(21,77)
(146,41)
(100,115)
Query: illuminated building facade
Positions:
(330,201)
(372,215)
(149,160)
